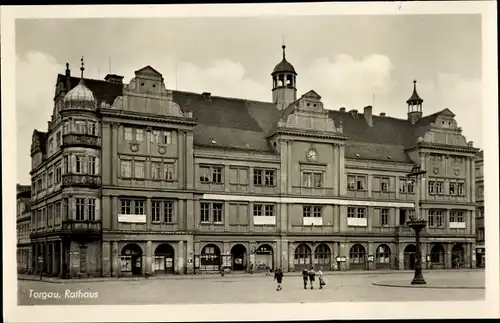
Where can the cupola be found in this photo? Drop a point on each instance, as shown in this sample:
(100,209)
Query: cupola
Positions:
(284,83)
(80,97)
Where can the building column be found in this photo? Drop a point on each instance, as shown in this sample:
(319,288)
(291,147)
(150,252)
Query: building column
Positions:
(291,248)
(227,214)
(115,265)
(149,214)
(335,254)
(467,256)
(148,268)
(190,257)
(401,257)
(473,255)
(344,252)
(106,258)
(114,212)
(180,257)
(371,251)
(447,262)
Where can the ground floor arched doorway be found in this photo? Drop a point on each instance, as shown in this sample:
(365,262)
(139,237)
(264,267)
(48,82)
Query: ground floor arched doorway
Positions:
(357,257)
(323,257)
(264,257)
(131,259)
(164,262)
(210,259)
(302,257)
(383,257)
(409,255)
(458,256)
(239,257)
(437,256)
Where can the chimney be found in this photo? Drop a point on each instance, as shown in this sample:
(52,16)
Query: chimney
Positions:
(206,96)
(367,113)
(342,109)
(113,78)
(354,113)
(382,114)
(68,78)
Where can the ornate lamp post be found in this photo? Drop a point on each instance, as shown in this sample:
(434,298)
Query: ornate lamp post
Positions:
(417,223)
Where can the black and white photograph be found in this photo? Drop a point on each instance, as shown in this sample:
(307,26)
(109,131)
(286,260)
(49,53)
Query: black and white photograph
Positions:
(250,161)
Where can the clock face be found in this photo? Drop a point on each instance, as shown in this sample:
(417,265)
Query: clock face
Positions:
(312,155)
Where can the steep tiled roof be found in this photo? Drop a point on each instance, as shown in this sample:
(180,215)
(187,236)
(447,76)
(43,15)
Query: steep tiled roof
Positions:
(103,90)
(227,122)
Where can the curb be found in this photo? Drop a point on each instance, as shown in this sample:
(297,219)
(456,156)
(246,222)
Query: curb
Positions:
(426,286)
(218,276)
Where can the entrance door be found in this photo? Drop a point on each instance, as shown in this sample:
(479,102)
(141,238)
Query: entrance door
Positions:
(238,253)
(136,265)
(164,259)
(409,256)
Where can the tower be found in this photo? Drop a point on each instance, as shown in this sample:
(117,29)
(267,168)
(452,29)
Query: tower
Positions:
(284,83)
(414,105)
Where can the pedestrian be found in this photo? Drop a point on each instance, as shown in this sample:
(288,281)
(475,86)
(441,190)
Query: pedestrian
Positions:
(268,269)
(320,278)
(305,275)
(278,276)
(312,274)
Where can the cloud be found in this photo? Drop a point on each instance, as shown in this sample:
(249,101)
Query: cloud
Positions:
(36,74)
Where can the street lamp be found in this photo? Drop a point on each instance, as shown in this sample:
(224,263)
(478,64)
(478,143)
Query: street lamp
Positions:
(417,223)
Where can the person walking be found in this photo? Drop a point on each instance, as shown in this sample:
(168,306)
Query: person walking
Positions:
(320,278)
(312,274)
(305,275)
(278,276)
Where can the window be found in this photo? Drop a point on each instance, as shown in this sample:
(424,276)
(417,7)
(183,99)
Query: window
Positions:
(92,128)
(155,136)
(384,217)
(167,137)
(138,207)
(436,218)
(439,187)
(432,187)
(480,191)
(50,178)
(57,216)
(80,126)
(80,209)
(356,183)
(205,212)
(263,210)
(211,212)
(384,185)
(50,214)
(138,169)
(126,169)
(460,189)
(211,174)
(91,209)
(155,211)
(311,211)
(139,135)
(78,164)
(126,207)
(312,179)
(263,177)
(128,133)
(480,212)
(480,234)
(155,170)
(168,170)
(92,170)
(168,212)
(356,212)
(66,214)
(58,173)
(58,139)
(457,216)
(452,188)
(66,164)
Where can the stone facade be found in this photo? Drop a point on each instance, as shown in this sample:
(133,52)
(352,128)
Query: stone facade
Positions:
(480,237)
(155,181)
(23,229)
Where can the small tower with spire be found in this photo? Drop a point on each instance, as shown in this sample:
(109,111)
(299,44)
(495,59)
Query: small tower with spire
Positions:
(284,83)
(414,105)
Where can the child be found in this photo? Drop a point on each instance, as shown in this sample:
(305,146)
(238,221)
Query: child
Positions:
(278,276)
(312,274)
(305,274)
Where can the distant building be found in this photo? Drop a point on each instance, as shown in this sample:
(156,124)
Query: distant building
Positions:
(23,228)
(480,247)
(135,179)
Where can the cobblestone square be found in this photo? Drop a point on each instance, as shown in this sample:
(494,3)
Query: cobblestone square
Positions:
(258,288)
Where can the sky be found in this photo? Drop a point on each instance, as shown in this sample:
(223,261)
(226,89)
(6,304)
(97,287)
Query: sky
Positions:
(351,61)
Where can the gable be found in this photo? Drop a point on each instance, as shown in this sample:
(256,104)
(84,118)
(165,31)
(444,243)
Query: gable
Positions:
(148,71)
(446,113)
(312,95)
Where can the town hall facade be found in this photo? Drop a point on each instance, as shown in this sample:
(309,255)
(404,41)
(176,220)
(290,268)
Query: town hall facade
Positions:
(138,179)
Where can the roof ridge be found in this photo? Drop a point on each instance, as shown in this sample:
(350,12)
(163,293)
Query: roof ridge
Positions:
(222,97)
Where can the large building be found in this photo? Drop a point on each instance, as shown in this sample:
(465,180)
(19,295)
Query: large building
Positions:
(480,247)
(135,179)
(23,228)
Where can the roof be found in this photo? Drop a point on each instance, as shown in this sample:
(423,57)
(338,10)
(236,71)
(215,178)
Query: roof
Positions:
(414,97)
(284,65)
(480,155)
(23,190)
(103,90)
(41,136)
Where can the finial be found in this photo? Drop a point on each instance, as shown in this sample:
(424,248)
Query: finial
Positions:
(82,68)
(68,72)
(284,47)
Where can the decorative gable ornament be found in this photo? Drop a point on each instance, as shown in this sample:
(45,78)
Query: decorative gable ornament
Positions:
(457,171)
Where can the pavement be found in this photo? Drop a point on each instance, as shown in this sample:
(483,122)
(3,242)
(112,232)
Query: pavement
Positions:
(257,288)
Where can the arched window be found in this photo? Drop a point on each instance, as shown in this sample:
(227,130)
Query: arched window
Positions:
(302,255)
(383,255)
(322,255)
(357,254)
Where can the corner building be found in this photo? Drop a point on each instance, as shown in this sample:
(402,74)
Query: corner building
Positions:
(135,179)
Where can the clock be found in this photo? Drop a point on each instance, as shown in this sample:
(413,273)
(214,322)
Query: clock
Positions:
(312,155)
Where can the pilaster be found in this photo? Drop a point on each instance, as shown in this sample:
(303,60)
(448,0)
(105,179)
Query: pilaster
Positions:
(181,257)
(291,249)
(115,269)
(106,258)
(149,258)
